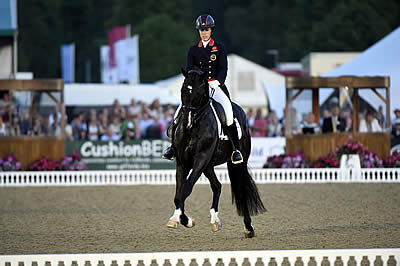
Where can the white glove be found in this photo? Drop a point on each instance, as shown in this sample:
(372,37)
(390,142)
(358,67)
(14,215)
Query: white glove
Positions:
(214,84)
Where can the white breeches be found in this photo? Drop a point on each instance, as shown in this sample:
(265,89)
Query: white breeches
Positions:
(221,98)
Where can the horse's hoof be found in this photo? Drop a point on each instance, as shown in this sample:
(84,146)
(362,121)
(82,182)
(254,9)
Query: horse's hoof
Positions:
(173,224)
(190,223)
(215,227)
(248,234)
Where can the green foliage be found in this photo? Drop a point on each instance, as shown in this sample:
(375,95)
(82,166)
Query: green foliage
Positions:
(166,29)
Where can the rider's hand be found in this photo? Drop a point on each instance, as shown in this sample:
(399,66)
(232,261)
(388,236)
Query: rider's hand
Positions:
(214,84)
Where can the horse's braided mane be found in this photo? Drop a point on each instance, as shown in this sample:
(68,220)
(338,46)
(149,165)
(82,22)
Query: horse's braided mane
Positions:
(196,70)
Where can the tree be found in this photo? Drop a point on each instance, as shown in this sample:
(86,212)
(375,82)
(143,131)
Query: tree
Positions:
(163,44)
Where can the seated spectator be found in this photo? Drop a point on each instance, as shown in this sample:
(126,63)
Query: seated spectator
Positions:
(4,107)
(103,123)
(16,126)
(93,128)
(381,117)
(82,133)
(75,127)
(310,126)
(115,126)
(259,128)
(55,127)
(274,128)
(170,110)
(116,108)
(395,134)
(334,123)
(123,122)
(370,123)
(3,129)
(45,123)
(295,123)
(144,123)
(110,136)
(397,115)
(250,116)
(153,131)
(131,128)
(36,129)
(25,123)
(55,115)
(134,108)
(155,109)
(68,131)
(165,121)
(347,116)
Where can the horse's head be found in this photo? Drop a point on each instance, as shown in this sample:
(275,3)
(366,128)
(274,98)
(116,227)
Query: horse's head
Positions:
(194,91)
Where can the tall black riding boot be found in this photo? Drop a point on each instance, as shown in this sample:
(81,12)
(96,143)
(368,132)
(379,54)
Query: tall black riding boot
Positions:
(169,154)
(234,137)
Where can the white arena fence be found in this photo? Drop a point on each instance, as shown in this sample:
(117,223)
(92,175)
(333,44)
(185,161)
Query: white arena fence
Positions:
(334,257)
(167,177)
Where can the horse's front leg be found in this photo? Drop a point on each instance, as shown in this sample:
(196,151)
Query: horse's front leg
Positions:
(181,174)
(216,224)
(200,163)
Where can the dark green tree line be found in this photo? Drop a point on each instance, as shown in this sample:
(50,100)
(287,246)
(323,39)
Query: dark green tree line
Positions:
(166,29)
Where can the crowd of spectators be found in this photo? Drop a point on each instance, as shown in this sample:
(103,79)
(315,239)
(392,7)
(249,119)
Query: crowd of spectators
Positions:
(139,120)
(333,120)
(136,121)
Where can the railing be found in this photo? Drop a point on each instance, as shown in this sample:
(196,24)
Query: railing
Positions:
(167,177)
(327,257)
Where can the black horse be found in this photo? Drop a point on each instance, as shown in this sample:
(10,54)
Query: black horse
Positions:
(198,148)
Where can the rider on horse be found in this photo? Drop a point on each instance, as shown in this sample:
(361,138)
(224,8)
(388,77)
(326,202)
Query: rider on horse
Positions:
(210,56)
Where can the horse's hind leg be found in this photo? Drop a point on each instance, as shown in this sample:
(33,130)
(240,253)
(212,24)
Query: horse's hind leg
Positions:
(216,224)
(248,227)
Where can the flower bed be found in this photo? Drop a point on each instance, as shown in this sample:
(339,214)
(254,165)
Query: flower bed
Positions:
(332,160)
(67,163)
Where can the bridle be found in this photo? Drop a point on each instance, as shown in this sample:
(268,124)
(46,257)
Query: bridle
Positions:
(189,87)
(196,110)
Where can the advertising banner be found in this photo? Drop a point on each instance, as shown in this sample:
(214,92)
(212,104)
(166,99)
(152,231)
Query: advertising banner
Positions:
(121,155)
(146,154)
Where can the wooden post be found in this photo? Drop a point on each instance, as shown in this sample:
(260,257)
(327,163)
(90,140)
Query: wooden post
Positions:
(387,108)
(288,124)
(315,104)
(355,110)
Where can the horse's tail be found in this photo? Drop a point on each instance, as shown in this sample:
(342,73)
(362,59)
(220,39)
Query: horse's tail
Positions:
(244,190)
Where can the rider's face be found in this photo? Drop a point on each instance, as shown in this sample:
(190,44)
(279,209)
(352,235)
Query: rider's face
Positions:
(205,34)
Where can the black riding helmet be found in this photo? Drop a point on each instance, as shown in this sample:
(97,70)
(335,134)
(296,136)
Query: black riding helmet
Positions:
(204,22)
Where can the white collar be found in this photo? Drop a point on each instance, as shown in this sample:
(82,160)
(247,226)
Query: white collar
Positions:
(205,42)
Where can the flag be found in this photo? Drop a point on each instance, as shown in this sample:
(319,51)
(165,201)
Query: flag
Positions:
(108,74)
(114,35)
(68,62)
(127,59)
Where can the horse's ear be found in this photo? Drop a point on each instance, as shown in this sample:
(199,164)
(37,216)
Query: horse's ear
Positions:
(184,72)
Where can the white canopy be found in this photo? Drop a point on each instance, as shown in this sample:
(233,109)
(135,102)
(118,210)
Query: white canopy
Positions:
(381,59)
(105,94)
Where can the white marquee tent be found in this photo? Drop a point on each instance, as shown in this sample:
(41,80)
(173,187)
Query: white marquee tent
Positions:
(105,94)
(381,59)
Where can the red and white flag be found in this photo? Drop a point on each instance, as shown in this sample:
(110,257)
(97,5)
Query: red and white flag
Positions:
(114,35)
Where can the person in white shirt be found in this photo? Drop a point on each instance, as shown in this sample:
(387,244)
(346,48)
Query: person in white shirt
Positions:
(370,123)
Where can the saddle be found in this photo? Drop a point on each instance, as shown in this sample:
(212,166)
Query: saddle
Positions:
(220,117)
